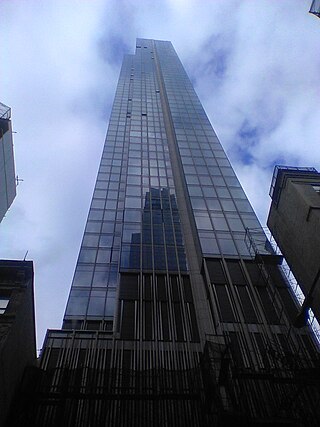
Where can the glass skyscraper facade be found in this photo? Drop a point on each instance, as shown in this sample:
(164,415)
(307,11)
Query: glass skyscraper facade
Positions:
(178,314)
(160,146)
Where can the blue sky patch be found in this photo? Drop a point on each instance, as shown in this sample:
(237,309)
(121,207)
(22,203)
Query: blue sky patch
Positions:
(114,49)
(244,155)
(218,63)
(249,133)
(249,136)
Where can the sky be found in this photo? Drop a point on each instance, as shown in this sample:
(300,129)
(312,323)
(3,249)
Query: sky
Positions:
(255,67)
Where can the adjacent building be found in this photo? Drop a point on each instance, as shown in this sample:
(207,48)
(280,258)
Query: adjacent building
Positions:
(7,172)
(178,314)
(294,221)
(315,8)
(17,328)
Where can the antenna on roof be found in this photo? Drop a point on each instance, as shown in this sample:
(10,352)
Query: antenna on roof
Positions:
(18,180)
(25,256)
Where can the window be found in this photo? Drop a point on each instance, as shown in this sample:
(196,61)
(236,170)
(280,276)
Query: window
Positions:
(316,188)
(228,205)
(225,304)
(87,255)
(227,246)
(203,221)
(209,245)
(83,276)
(4,301)
(219,222)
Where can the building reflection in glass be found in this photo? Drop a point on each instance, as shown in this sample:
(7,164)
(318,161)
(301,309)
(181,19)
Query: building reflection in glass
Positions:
(156,243)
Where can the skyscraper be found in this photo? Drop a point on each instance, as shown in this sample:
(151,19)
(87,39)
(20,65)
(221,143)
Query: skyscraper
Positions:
(177,314)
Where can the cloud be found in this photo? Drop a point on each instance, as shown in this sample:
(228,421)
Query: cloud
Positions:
(254,66)
(48,81)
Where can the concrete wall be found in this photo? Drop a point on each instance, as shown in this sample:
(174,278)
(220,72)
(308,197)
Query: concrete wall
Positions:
(7,170)
(295,225)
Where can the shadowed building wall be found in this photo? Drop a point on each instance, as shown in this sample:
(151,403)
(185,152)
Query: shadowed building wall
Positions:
(294,221)
(7,173)
(17,328)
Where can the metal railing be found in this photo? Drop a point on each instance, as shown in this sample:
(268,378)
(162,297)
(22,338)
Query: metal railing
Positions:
(5,111)
(278,176)
(257,246)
